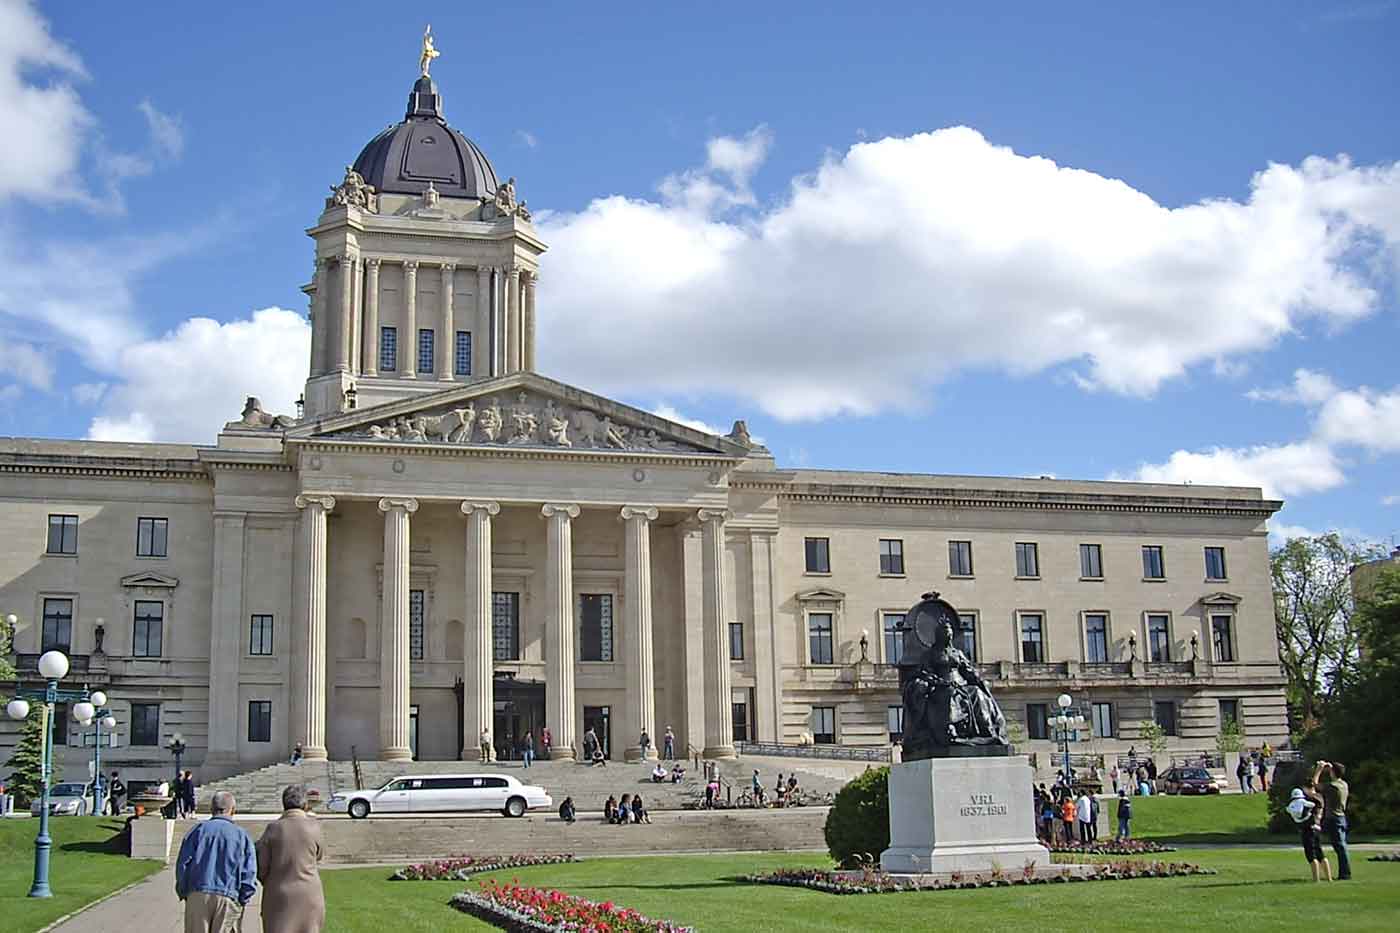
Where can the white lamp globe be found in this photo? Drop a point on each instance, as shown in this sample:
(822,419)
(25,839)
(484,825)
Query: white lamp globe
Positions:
(84,711)
(17,709)
(109,722)
(53,665)
(1063,701)
(12,619)
(99,698)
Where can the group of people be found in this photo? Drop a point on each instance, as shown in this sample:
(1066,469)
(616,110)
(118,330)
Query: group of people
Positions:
(1069,817)
(219,869)
(1253,765)
(1135,777)
(659,774)
(629,809)
(182,791)
(1320,806)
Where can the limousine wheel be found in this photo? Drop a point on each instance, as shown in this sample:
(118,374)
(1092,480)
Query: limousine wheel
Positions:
(359,809)
(515,806)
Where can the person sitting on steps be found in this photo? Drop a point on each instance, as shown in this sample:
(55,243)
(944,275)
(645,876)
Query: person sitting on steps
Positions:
(658,774)
(566,810)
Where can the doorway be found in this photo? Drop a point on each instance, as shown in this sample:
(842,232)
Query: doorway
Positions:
(596,718)
(413,731)
(519,708)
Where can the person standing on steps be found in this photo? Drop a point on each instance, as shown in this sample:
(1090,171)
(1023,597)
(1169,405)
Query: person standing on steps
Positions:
(485,745)
(546,740)
(288,853)
(645,743)
(527,748)
(670,744)
(216,872)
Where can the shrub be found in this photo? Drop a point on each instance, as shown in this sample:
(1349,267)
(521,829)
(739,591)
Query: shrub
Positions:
(1374,806)
(858,822)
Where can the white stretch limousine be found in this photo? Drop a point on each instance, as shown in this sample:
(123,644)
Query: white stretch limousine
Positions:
(443,793)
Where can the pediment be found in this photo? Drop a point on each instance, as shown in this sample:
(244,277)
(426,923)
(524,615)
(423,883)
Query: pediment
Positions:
(1221,599)
(822,594)
(150,578)
(522,410)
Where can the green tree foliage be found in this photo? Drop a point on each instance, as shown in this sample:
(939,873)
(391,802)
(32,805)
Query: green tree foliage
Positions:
(1155,737)
(858,822)
(1231,737)
(26,763)
(1314,615)
(6,671)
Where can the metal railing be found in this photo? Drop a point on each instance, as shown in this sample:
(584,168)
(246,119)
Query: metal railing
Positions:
(355,767)
(829,752)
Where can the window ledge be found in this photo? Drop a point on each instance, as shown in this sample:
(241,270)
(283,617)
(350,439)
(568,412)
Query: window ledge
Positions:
(1154,579)
(816,573)
(69,556)
(1091,579)
(894,576)
(962,576)
(1217,580)
(1037,577)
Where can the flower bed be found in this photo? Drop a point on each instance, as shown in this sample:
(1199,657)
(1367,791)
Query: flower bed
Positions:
(461,867)
(877,882)
(1385,857)
(516,908)
(1112,847)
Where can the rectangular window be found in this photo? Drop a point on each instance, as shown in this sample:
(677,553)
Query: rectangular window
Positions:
(1096,638)
(824,725)
(388,349)
(1091,561)
(891,625)
(894,722)
(1159,639)
(1102,716)
(1215,563)
(1164,714)
(415,625)
(1037,721)
(1229,712)
(595,612)
(505,626)
(736,641)
(818,555)
(148,620)
(959,558)
(739,719)
(152,535)
(892,556)
(63,534)
(60,724)
(1032,638)
(462,354)
(1153,567)
(819,635)
(58,626)
(145,724)
(1222,638)
(259,720)
(1027,559)
(965,636)
(425,350)
(260,635)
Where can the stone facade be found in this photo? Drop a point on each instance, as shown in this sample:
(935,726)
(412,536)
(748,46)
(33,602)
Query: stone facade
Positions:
(430,551)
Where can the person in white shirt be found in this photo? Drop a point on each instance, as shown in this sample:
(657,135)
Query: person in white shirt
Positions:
(1085,816)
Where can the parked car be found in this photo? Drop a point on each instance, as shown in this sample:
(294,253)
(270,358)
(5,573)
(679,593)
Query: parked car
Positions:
(1188,781)
(66,800)
(443,793)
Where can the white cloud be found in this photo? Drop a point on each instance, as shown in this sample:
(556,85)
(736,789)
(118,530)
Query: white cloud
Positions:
(27,363)
(1281,532)
(529,139)
(1308,388)
(663,410)
(1390,500)
(167,136)
(88,393)
(1361,417)
(1282,470)
(184,385)
(10,394)
(902,260)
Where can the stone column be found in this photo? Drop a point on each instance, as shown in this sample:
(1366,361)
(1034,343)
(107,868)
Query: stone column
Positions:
(719,727)
(369,363)
(639,714)
(393,657)
(344,314)
(225,638)
(408,341)
(513,321)
(498,322)
(479,658)
(481,338)
(357,309)
(529,336)
(447,340)
(559,628)
(319,320)
(312,678)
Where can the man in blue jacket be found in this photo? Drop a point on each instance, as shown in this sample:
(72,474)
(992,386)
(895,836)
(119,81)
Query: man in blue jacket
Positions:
(216,874)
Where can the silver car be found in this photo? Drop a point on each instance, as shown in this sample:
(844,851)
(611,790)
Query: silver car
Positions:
(67,800)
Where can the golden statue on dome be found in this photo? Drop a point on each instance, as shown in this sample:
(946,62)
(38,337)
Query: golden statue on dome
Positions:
(429,51)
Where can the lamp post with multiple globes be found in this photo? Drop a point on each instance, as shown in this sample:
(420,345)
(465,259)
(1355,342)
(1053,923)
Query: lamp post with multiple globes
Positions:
(101,718)
(1066,724)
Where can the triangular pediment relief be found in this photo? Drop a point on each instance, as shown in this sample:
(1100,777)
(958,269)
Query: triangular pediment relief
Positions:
(522,410)
(821,594)
(150,578)
(1221,599)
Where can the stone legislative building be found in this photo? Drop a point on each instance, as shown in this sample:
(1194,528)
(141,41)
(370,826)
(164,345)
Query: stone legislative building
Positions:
(444,541)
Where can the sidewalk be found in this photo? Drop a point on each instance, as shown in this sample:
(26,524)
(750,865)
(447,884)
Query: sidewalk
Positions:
(149,907)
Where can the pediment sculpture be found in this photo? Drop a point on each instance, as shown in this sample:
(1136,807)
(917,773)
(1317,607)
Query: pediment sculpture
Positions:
(504,203)
(526,420)
(254,417)
(354,191)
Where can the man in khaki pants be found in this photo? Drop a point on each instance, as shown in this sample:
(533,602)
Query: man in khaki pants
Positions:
(216,873)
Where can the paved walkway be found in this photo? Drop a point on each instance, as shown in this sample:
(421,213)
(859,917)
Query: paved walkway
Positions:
(149,907)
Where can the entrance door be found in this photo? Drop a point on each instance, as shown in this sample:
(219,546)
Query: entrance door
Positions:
(413,731)
(519,708)
(596,718)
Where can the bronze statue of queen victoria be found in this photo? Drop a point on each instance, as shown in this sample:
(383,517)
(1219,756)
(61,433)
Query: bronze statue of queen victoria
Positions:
(948,710)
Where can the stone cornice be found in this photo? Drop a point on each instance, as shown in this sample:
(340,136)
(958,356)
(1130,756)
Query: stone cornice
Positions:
(106,467)
(577,455)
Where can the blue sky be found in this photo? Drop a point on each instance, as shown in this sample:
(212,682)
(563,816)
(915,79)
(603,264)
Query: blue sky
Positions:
(762,212)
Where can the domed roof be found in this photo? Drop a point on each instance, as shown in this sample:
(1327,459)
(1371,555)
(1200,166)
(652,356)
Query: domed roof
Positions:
(423,150)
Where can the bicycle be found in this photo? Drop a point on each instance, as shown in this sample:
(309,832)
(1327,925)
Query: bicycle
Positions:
(748,800)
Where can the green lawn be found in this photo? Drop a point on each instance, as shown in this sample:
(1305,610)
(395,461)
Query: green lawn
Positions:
(1255,889)
(1228,818)
(83,867)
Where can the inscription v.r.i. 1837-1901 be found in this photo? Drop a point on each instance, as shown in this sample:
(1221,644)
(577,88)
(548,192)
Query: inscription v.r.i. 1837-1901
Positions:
(982,805)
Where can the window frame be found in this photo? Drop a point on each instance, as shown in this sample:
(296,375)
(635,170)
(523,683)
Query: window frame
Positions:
(1147,618)
(1173,728)
(1032,549)
(890,637)
(45,644)
(1097,551)
(954,547)
(894,556)
(388,348)
(606,646)
(66,547)
(1161,553)
(1095,708)
(1224,567)
(736,628)
(976,617)
(1038,723)
(145,644)
(263,718)
(417,626)
(894,722)
(1230,631)
(133,738)
(513,622)
(1107,634)
(1221,718)
(155,522)
(834,734)
(462,353)
(1021,614)
(426,361)
(262,630)
(830,634)
(808,543)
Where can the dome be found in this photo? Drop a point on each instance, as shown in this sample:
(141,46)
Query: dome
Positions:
(423,150)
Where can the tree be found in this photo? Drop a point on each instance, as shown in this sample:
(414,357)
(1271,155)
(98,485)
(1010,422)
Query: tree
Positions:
(6,634)
(1155,736)
(1230,739)
(1314,615)
(26,763)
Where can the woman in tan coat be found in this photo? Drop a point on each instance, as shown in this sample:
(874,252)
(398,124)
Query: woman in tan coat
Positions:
(292,900)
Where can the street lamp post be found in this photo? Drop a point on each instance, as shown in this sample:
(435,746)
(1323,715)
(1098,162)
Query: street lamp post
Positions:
(101,716)
(1066,724)
(53,667)
(177,748)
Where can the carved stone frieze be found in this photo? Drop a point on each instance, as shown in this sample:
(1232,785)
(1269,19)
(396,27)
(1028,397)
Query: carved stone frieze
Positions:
(353,191)
(528,419)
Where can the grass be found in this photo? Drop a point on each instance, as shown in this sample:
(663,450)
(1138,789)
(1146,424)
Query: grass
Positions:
(1229,819)
(1255,889)
(83,867)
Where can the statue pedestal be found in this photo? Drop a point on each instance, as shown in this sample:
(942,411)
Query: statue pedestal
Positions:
(962,814)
